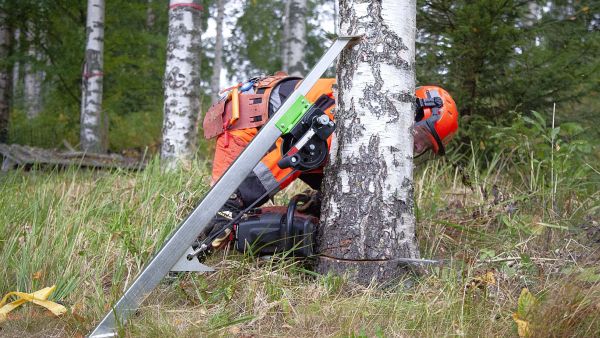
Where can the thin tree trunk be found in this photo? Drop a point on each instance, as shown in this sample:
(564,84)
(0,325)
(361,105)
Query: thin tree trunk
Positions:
(150,16)
(4,77)
(335,17)
(33,76)
(531,17)
(367,217)
(182,83)
(285,64)
(16,65)
(532,14)
(215,81)
(92,133)
(297,38)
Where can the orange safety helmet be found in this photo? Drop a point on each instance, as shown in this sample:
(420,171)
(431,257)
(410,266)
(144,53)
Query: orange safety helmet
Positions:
(436,120)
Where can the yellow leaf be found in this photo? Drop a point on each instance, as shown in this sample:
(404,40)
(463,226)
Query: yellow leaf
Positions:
(489,278)
(39,297)
(525,303)
(483,281)
(522,326)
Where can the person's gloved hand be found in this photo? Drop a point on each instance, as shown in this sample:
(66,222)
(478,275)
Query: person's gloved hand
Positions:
(311,203)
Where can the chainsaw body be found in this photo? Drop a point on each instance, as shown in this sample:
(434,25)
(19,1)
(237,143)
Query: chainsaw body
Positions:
(271,230)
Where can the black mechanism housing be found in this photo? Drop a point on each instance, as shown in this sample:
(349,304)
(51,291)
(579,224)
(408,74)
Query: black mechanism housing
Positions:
(271,230)
(312,154)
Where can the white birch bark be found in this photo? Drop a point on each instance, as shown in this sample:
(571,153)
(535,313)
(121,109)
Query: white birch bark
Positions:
(336,23)
(533,14)
(16,72)
(182,84)
(150,16)
(285,65)
(92,132)
(4,77)
(33,77)
(367,217)
(215,81)
(296,45)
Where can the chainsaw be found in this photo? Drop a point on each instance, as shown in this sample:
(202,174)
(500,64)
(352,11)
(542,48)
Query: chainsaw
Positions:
(270,230)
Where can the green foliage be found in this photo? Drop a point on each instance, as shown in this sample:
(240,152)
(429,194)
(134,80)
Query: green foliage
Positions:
(493,60)
(47,130)
(255,45)
(134,61)
(564,153)
(136,130)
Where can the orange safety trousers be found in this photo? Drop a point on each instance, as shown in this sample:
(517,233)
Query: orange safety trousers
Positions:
(267,175)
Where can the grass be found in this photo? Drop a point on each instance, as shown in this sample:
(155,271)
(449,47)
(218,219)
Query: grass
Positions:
(90,233)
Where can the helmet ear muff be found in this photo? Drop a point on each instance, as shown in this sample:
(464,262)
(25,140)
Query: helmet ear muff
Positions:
(434,104)
(431,125)
(420,113)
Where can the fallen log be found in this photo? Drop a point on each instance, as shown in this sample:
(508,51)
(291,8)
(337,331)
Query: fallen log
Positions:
(16,155)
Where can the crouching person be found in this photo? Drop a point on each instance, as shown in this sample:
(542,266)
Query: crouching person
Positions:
(238,116)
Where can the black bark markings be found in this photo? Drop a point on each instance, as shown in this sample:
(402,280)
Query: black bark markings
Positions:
(380,46)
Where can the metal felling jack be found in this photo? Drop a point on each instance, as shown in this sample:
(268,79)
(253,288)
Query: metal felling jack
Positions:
(172,255)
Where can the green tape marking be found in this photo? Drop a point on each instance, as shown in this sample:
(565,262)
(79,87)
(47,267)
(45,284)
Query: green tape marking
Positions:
(293,115)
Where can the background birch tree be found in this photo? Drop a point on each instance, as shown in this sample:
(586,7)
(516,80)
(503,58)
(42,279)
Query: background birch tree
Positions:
(182,83)
(285,36)
(33,76)
(296,40)
(16,70)
(4,76)
(367,217)
(93,132)
(215,81)
(150,16)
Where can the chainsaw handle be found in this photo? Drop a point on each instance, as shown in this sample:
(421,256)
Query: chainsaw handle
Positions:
(289,221)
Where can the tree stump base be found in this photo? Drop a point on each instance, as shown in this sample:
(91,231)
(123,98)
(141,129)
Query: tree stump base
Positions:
(365,272)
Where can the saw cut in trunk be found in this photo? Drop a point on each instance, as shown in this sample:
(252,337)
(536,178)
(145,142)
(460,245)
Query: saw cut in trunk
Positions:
(367,217)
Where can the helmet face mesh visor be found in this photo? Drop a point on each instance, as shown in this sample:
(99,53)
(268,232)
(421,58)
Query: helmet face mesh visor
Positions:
(423,139)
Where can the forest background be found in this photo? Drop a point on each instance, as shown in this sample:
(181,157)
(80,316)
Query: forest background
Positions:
(513,208)
(499,59)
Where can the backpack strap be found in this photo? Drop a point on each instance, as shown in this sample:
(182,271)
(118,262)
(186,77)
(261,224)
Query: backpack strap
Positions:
(253,108)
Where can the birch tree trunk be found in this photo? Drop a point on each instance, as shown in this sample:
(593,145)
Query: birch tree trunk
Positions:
(16,71)
(297,38)
(367,218)
(32,90)
(92,133)
(182,84)
(215,81)
(150,16)
(335,17)
(4,77)
(285,64)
